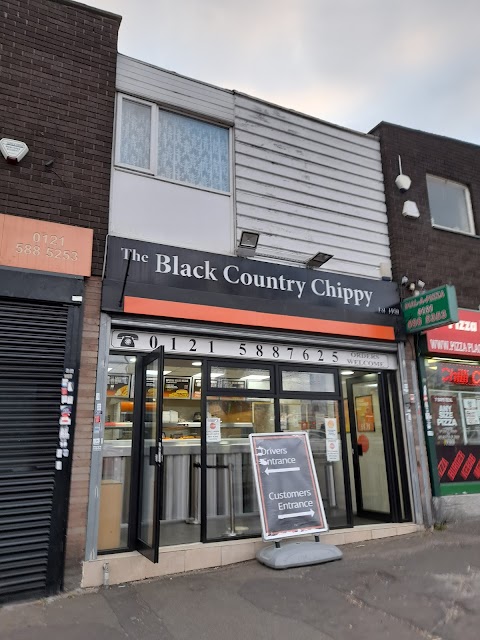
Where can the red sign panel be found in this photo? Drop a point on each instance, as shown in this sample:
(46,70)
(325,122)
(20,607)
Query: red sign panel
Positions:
(459,463)
(462,338)
(460,374)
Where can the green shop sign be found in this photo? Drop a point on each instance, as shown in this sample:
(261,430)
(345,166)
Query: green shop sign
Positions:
(431,309)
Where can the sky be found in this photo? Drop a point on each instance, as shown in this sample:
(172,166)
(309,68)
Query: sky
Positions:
(353,63)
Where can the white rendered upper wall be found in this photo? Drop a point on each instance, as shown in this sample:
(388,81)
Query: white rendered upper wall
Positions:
(305,185)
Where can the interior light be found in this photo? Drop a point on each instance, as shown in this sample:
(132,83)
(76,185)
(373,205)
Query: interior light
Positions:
(255,376)
(165,372)
(216,375)
(347,373)
(132,359)
(110,368)
(196,364)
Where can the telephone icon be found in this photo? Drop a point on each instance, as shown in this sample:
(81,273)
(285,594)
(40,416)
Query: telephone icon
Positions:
(127,339)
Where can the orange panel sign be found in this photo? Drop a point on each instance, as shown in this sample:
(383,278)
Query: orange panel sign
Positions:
(26,243)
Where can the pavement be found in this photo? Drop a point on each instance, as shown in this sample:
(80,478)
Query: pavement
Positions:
(424,585)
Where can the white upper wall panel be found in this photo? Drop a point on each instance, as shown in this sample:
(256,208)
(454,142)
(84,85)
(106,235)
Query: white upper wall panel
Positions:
(156,211)
(171,90)
(308,186)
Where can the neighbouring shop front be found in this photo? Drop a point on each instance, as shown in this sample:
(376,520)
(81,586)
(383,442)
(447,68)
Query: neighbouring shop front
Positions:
(41,293)
(203,349)
(450,374)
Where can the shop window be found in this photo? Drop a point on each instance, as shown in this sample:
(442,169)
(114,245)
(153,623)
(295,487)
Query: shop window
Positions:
(308,381)
(135,134)
(192,151)
(245,378)
(313,416)
(450,205)
(116,465)
(231,501)
(172,146)
(454,394)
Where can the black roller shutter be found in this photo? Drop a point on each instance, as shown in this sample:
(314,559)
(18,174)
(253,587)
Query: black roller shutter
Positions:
(33,342)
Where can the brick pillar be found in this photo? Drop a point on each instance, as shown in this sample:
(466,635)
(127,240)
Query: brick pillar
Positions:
(82,446)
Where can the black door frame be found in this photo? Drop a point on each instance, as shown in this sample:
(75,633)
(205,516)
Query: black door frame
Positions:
(275,393)
(156,455)
(388,435)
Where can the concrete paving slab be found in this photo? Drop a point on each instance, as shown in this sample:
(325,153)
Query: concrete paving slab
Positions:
(424,585)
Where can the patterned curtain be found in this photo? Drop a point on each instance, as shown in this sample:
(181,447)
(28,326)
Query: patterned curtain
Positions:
(193,151)
(135,136)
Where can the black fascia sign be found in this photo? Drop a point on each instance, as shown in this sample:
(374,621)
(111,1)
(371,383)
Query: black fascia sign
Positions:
(287,485)
(159,272)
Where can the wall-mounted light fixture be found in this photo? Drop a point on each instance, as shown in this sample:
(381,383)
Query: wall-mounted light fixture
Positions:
(410,209)
(318,260)
(13,150)
(413,286)
(247,245)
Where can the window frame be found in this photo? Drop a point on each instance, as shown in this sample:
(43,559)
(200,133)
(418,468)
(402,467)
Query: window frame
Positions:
(152,171)
(468,204)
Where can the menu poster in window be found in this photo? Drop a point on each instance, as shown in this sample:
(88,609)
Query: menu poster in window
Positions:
(470,409)
(228,383)
(118,385)
(446,420)
(176,388)
(364,413)
(214,433)
(197,388)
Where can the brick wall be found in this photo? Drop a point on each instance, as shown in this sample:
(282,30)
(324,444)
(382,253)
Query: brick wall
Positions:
(57,94)
(57,88)
(77,515)
(418,250)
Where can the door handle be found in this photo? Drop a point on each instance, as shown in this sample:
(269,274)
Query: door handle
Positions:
(153,456)
(358,449)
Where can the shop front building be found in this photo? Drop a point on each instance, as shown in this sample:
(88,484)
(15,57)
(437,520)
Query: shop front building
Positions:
(213,328)
(55,140)
(434,242)
(450,372)
(195,365)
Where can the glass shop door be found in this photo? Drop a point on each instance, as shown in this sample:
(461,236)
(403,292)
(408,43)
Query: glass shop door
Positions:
(373,461)
(151,456)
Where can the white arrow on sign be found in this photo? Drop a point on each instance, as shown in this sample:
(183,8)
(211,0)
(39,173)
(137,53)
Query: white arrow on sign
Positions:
(268,471)
(310,513)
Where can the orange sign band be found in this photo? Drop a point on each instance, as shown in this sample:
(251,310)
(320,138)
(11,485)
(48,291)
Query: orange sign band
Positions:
(186,310)
(27,243)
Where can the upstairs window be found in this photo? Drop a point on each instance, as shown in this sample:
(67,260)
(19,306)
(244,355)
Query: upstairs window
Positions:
(173,146)
(450,205)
